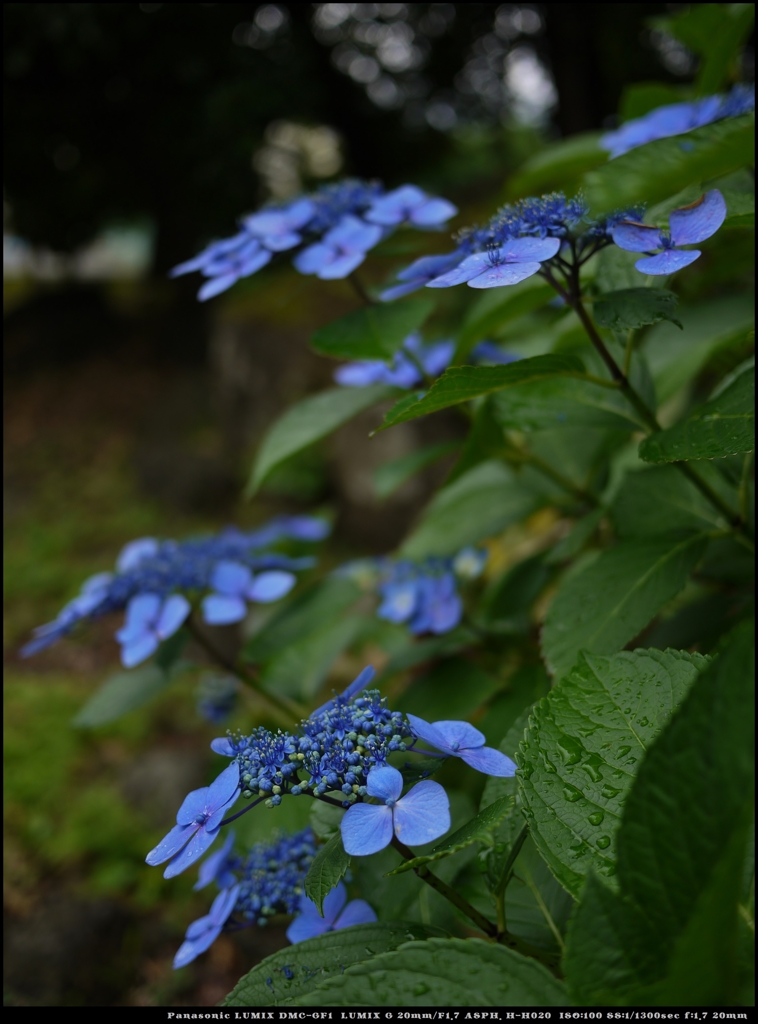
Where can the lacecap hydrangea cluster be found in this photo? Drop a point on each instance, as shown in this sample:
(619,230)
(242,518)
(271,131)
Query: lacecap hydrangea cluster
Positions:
(153,577)
(513,245)
(677,119)
(334,752)
(341,752)
(331,229)
(254,888)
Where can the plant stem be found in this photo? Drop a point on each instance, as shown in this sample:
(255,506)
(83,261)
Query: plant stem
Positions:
(423,872)
(233,817)
(572,297)
(523,455)
(364,296)
(285,707)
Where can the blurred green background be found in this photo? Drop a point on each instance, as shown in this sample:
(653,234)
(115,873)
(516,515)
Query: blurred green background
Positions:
(135,133)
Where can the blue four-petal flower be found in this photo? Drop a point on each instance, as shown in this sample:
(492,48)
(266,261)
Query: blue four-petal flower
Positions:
(309,923)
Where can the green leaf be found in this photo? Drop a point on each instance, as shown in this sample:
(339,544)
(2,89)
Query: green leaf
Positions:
(563,402)
(537,907)
(740,208)
(419,651)
(675,356)
(669,937)
(325,819)
(723,426)
(455,688)
(295,971)
(309,611)
(417,771)
(374,332)
(507,603)
(479,504)
(122,693)
(462,383)
(661,500)
(558,166)
(715,32)
(498,307)
(605,605)
(442,972)
(581,532)
(301,668)
(392,475)
(327,868)
(652,172)
(582,748)
(310,420)
(630,308)
(478,830)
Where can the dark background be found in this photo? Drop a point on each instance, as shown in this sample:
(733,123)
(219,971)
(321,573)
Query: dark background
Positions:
(131,409)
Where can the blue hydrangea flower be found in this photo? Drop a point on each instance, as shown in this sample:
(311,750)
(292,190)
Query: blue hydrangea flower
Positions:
(160,568)
(333,224)
(424,596)
(340,251)
(197,823)
(409,204)
(202,933)
(149,620)
(676,119)
(687,226)
(309,923)
(219,866)
(403,372)
(506,264)
(233,585)
(422,815)
(459,739)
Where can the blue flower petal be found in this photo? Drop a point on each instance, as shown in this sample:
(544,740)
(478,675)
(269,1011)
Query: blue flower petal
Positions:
(432,212)
(668,261)
(175,610)
(489,761)
(133,553)
(385,783)
(428,733)
(192,852)
(472,266)
(527,250)
(423,814)
(356,912)
(635,237)
(334,902)
(216,285)
(213,865)
(698,221)
(222,611)
(307,925)
(341,265)
(178,837)
(366,829)
(230,577)
(137,648)
(505,274)
(270,586)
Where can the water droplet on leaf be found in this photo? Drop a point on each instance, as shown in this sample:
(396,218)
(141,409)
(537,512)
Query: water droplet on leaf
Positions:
(604,842)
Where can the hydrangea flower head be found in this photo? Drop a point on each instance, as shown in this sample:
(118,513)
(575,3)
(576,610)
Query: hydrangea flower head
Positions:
(336,226)
(309,923)
(677,118)
(202,933)
(149,620)
(153,571)
(687,225)
(272,876)
(423,595)
(459,739)
(197,823)
(422,815)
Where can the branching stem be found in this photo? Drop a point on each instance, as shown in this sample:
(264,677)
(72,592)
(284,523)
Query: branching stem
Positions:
(285,707)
